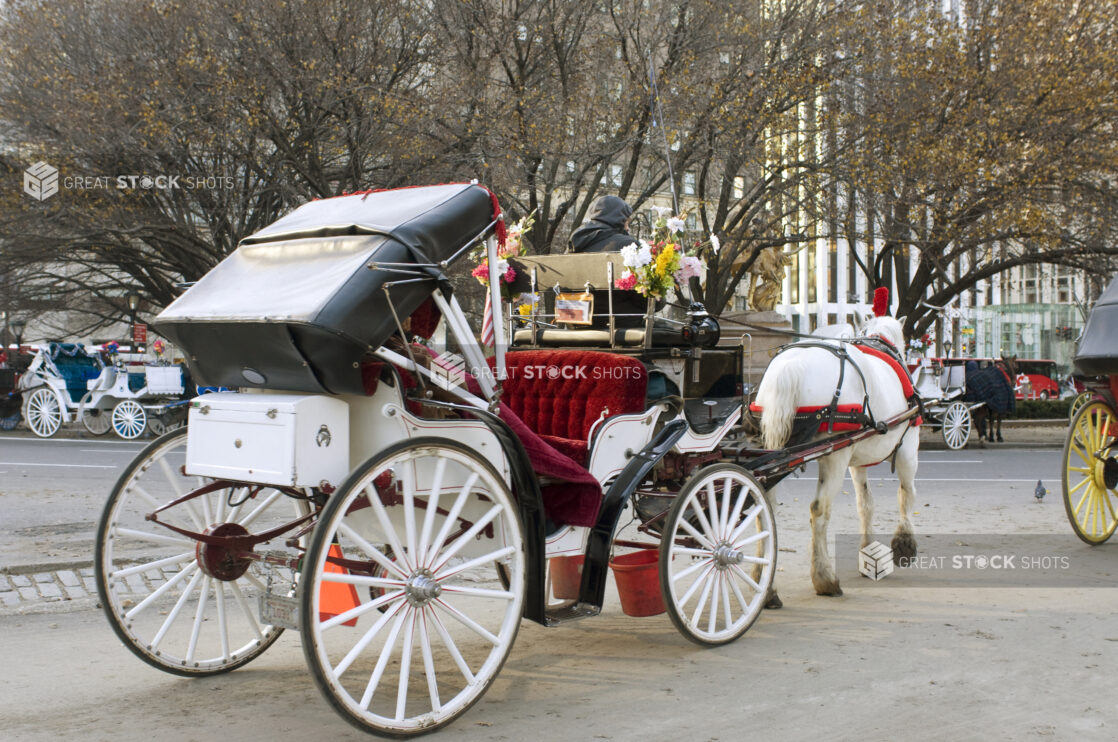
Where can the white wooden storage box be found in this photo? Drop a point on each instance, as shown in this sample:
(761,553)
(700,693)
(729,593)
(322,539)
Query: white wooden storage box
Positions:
(288,439)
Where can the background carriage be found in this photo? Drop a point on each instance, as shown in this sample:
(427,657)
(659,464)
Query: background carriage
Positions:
(1090,470)
(67,382)
(401,506)
(942,389)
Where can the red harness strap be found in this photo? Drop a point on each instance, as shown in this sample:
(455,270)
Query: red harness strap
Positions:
(899,370)
(805,412)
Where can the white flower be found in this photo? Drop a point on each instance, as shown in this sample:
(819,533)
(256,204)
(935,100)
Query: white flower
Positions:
(634,256)
(528,298)
(675,224)
(502,266)
(662,210)
(714,243)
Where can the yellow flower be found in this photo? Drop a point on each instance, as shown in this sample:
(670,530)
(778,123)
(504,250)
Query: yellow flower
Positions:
(524,310)
(664,260)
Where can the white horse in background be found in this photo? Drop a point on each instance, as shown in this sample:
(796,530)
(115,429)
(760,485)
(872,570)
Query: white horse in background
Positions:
(808,377)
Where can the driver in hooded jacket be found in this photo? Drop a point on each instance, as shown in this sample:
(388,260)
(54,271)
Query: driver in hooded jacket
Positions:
(606,228)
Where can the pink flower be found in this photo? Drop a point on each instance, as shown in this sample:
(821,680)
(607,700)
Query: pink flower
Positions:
(627,282)
(510,275)
(481,272)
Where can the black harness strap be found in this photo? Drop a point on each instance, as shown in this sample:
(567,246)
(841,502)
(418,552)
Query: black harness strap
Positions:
(831,411)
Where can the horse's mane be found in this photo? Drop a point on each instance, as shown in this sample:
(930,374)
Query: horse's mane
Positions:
(887,328)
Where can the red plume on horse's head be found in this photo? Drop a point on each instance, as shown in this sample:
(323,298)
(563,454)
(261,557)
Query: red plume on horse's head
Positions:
(880,301)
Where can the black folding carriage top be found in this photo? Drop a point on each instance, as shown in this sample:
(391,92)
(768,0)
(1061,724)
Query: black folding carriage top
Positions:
(298,303)
(1097,354)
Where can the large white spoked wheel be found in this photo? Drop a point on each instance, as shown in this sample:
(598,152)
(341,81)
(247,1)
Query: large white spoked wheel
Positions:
(95,419)
(717,555)
(180,605)
(404,622)
(129,419)
(956,425)
(1090,476)
(43,412)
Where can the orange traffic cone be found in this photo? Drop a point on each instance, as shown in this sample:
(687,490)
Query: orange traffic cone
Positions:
(335,598)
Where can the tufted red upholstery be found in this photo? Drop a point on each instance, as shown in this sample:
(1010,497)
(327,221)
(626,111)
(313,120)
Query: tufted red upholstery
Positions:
(560,394)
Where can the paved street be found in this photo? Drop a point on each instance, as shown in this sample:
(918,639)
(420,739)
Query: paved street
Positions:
(894,658)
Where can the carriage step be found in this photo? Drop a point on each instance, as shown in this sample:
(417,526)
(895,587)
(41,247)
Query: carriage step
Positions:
(572,612)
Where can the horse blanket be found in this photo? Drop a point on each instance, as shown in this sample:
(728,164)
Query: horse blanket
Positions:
(992,386)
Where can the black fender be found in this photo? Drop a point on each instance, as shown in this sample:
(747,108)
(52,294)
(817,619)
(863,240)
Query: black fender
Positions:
(592,590)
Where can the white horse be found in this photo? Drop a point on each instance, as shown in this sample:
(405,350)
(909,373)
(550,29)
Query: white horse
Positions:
(808,377)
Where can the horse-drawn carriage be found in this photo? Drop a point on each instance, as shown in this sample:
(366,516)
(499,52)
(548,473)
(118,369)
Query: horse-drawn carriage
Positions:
(400,505)
(1090,471)
(943,391)
(67,382)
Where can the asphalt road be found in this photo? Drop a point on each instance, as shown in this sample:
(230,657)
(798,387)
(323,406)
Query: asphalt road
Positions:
(889,659)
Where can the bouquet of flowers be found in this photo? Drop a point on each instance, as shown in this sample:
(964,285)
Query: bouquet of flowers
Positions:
(111,349)
(654,268)
(917,346)
(514,246)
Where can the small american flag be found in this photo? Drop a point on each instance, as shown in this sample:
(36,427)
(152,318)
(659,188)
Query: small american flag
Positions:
(487,322)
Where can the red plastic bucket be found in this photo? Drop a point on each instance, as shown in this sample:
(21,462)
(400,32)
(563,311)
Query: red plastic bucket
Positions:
(566,576)
(638,582)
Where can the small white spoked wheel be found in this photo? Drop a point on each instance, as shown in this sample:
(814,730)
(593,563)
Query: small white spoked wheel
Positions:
(956,425)
(95,419)
(400,629)
(181,605)
(717,555)
(43,412)
(129,419)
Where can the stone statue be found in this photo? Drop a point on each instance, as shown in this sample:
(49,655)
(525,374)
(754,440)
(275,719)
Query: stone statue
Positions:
(766,279)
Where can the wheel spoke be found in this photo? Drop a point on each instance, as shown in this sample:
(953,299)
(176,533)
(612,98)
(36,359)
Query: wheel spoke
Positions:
(451,647)
(372,552)
(360,610)
(259,509)
(745,578)
(466,621)
(222,626)
(697,584)
(452,516)
(726,498)
(683,574)
(489,558)
(160,591)
(382,662)
(429,663)
(432,510)
(708,584)
(117,574)
(745,523)
(364,641)
(387,527)
(696,535)
(479,592)
(239,595)
(716,601)
(468,536)
(155,538)
(405,666)
(174,614)
(408,478)
(199,617)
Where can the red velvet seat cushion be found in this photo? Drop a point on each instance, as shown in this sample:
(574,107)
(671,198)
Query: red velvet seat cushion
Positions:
(560,394)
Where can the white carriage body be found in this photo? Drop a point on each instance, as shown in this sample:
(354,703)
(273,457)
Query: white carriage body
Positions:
(284,439)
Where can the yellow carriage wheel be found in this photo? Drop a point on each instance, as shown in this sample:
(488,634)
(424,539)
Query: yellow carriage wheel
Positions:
(1091,472)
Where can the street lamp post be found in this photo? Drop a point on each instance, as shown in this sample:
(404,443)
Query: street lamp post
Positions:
(133,303)
(17,328)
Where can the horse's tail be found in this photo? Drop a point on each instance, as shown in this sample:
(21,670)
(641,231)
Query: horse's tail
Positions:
(777,397)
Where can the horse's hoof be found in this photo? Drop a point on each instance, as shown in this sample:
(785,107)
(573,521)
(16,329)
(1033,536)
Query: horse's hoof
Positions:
(773,601)
(831,589)
(1000,439)
(904,547)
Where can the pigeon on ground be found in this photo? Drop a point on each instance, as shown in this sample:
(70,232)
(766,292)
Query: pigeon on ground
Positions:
(1039,492)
